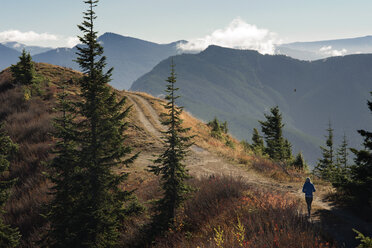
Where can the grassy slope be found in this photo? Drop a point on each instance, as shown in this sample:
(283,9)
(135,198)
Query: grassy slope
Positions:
(29,124)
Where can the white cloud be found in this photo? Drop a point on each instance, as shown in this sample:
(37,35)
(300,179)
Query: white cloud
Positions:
(72,41)
(30,36)
(327,50)
(238,34)
(38,39)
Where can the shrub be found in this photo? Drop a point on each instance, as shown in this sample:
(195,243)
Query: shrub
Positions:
(226,212)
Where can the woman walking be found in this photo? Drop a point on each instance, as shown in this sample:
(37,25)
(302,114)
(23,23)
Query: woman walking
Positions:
(308,189)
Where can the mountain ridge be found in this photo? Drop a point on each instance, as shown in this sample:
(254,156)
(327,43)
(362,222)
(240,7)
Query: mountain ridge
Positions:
(130,57)
(239,86)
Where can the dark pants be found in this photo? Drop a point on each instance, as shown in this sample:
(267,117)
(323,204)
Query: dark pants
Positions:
(309,200)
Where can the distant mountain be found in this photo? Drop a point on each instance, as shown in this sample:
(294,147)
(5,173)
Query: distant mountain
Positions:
(8,56)
(31,49)
(130,57)
(60,56)
(241,85)
(321,49)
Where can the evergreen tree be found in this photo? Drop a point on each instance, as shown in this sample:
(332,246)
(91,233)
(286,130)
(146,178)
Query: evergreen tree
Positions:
(217,128)
(342,170)
(342,153)
(325,167)
(287,150)
(169,165)
(24,71)
(276,146)
(9,237)
(224,127)
(299,162)
(66,175)
(257,142)
(360,185)
(91,146)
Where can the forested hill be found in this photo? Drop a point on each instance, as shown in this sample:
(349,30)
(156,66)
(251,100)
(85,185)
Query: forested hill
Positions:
(241,85)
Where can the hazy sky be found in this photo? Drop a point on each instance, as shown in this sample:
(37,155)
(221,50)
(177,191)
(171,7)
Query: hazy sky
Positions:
(53,22)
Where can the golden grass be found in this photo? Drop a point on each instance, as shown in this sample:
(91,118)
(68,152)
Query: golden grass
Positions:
(202,134)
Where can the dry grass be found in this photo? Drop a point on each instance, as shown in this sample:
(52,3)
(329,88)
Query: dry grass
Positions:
(225,212)
(28,123)
(202,134)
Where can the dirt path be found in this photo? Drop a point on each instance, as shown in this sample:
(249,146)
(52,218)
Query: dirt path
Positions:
(200,162)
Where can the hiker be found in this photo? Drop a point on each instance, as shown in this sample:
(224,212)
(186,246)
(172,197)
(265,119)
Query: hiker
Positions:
(308,189)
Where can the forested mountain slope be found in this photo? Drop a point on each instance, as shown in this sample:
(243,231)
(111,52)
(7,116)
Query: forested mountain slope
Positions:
(239,86)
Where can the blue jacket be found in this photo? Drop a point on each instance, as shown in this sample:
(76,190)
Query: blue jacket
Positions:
(308,189)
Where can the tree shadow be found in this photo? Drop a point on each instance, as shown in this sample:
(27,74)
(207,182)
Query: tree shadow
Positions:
(338,223)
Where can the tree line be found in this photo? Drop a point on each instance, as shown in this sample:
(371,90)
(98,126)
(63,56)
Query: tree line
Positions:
(352,181)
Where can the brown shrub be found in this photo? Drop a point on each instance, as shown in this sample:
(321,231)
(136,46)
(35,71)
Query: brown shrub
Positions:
(242,217)
(28,123)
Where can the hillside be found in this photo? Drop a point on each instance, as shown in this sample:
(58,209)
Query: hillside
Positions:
(28,122)
(239,86)
(231,181)
(130,57)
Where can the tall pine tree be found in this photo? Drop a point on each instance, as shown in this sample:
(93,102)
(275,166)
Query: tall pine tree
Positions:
(169,165)
(9,237)
(91,146)
(276,146)
(24,71)
(67,179)
(326,167)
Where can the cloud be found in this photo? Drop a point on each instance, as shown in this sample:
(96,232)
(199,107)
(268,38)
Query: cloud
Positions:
(72,41)
(238,34)
(30,36)
(39,39)
(327,50)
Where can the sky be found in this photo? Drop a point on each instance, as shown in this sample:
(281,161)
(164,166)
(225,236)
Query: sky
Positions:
(254,24)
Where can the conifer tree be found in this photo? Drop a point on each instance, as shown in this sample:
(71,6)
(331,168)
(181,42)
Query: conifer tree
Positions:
(360,185)
(342,153)
(341,168)
(287,150)
(217,128)
(9,237)
(224,127)
(66,176)
(299,162)
(169,165)
(91,146)
(325,167)
(257,142)
(24,71)
(276,146)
